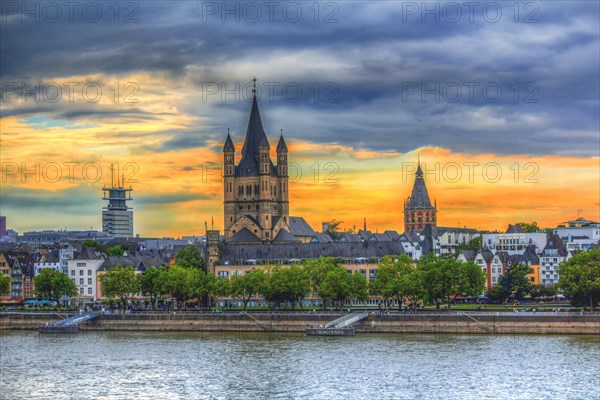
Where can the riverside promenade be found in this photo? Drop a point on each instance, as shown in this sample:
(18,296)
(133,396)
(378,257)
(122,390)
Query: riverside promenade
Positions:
(454,322)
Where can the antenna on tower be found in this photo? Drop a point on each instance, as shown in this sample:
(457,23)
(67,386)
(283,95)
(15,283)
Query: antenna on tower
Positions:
(112,175)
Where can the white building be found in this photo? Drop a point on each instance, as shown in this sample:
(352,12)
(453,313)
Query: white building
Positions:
(514,241)
(579,236)
(38,266)
(553,254)
(82,271)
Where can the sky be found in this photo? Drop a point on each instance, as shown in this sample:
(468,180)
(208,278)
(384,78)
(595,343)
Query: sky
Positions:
(498,100)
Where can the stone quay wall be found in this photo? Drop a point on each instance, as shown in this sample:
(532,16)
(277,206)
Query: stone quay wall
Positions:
(432,323)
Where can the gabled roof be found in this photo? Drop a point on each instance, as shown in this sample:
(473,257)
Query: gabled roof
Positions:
(350,238)
(285,236)
(321,238)
(380,237)
(244,236)
(514,229)
(89,253)
(487,255)
(365,235)
(299,227)
(393,235)
(555,243)
(469,255)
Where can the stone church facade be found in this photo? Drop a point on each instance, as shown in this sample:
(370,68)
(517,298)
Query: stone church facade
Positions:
(256,205)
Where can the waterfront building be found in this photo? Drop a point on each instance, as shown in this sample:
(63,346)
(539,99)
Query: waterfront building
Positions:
(82,271)
(580,234)
(47,260)
(553,254)
(256,206)
(117,216)
(514,240)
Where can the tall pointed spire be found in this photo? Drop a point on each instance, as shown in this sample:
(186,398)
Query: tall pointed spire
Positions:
(255,138)
(282,146)
(419,170)
(228,143)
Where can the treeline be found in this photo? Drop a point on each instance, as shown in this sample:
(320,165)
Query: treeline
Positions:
(434,279)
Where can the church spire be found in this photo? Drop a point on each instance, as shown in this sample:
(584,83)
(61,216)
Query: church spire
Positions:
(228,143)
(282,146)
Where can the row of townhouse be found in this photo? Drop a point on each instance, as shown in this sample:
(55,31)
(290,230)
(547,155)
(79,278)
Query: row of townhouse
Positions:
(20,268)
(544,263)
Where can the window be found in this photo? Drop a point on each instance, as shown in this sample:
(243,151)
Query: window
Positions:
(73,279)
(80,272)
(89,272)
(80,290)
(72,272)
(89,290)
(81,281)
(89,281)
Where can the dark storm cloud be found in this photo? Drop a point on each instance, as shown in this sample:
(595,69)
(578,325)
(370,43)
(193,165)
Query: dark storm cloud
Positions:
(392,74)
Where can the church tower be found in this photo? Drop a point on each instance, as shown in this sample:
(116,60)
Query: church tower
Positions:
(255,191)
(418,211)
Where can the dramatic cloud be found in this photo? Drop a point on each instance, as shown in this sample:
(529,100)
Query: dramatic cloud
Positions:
(359,83)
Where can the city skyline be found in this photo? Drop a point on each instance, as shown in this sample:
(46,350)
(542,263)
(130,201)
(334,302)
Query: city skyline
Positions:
(365,119)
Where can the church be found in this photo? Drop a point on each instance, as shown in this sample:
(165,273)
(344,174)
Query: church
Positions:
(256,206)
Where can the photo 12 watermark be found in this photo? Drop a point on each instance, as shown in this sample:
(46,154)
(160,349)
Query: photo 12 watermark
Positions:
(322,173)
(68,171)
(54,12)
(472,172)
(291,12)
(71,92)
(290,92)
(453,12)
(471,92)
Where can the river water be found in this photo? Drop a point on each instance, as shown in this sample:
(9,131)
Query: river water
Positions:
(281,366)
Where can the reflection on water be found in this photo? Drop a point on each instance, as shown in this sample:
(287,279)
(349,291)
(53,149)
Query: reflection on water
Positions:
(204,365)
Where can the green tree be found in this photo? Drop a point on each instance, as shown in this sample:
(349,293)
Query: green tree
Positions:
(190,257)
(359,287)
(120,282)
(4,284)
(337,285)
(51,284)
(580,277)
(243,287)
(497,293)
(117,250)
(178,283)
(398,279)
(543,290)
(152,284)
(218,287)
(515,281)
(529,226)
(444,277)
(316,271)
(282,285)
